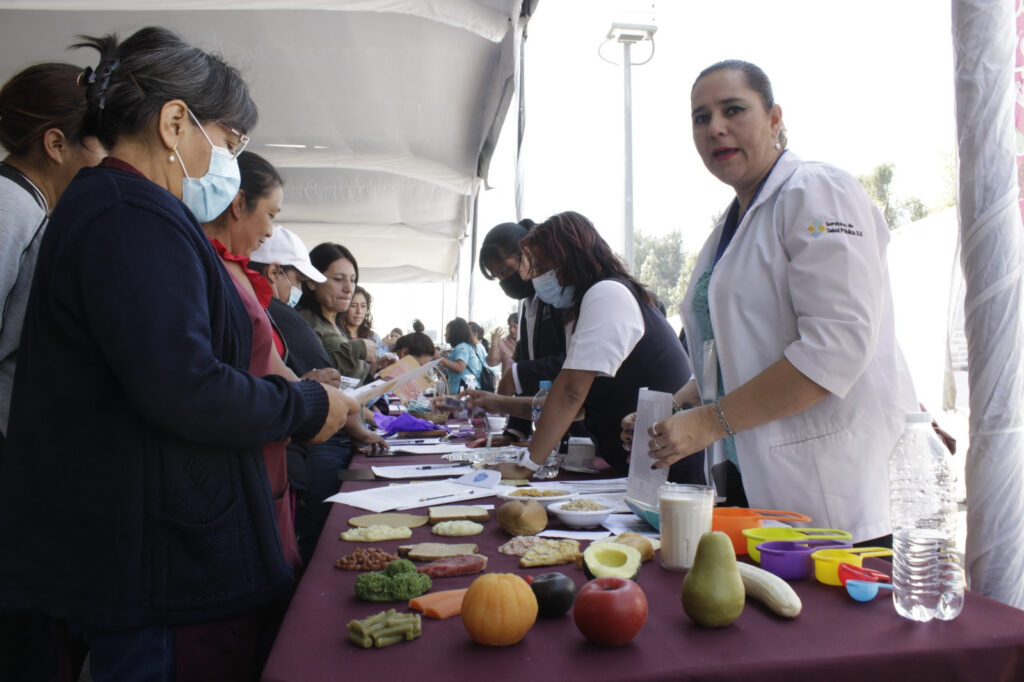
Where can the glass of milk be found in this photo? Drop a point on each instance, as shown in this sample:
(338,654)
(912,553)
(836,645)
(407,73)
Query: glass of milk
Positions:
(685,512)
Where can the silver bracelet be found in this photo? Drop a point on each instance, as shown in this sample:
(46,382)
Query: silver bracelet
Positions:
(717,406)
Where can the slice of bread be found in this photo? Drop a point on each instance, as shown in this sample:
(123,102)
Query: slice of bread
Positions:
(458,512)
(431,551)
(457,528)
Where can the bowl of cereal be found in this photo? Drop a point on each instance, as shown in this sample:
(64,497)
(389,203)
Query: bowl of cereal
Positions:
(581,512)
(547,496)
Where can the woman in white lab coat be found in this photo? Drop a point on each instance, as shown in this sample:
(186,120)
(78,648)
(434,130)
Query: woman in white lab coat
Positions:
(798,377)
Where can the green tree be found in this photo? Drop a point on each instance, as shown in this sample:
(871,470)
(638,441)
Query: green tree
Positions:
(664,267)
(896,211)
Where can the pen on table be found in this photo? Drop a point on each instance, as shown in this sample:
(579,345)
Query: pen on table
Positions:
(443,466)
(439,497)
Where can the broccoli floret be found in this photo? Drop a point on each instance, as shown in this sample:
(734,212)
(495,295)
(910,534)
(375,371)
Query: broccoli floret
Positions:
(399,566)
(399,582)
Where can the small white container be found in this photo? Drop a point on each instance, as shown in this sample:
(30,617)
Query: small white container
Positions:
(579,519)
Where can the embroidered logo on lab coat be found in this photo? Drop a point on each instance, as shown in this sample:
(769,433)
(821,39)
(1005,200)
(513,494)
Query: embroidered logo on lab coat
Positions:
(818,227)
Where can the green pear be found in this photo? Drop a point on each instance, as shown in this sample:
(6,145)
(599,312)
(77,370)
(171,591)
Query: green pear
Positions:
(713,594)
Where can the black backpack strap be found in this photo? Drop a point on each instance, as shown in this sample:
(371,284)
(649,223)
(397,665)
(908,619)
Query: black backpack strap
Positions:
(17,177)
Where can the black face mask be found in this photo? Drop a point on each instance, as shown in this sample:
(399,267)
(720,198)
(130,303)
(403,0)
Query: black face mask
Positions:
(515,287)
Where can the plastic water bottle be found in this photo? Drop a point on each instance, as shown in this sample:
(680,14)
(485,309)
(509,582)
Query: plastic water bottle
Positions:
(927,575)
(549,469)
(538,402)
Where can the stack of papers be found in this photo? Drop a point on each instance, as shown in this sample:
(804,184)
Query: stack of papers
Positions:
(471,486)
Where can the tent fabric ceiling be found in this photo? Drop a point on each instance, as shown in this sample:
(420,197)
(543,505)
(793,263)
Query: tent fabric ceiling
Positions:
(389,108)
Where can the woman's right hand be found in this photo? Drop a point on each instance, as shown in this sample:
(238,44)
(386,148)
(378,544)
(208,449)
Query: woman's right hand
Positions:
(326,375)
(485,400)
(628,424)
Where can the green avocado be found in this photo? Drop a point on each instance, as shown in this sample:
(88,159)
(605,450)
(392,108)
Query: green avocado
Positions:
(611,559)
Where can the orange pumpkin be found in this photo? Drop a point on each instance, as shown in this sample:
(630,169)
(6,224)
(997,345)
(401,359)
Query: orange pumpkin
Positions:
(498,609)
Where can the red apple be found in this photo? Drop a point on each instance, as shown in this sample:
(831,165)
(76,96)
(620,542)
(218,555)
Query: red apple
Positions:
(610,611)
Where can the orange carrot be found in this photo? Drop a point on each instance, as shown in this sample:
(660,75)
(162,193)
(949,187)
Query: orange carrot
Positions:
(444,604)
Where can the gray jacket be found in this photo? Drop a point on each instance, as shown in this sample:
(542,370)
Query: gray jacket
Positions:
(23,219)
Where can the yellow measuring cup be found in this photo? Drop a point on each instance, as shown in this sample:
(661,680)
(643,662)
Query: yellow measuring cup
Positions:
(826,561)
(756,536)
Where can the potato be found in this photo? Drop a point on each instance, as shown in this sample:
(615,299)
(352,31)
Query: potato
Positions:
(639,542)
(522,518)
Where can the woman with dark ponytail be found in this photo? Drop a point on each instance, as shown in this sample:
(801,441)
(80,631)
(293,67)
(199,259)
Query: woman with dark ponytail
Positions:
(41,111)
(175,567)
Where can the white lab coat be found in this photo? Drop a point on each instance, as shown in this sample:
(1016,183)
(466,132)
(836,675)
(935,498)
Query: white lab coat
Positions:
(805,277)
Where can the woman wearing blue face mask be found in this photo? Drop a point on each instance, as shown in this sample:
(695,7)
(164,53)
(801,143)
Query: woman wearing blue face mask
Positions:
(178,566)
(618,343)
(540,343)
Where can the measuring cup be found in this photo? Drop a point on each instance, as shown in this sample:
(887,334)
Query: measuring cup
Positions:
(826,561)
(865,590)
(850,572)
(734,520)
(792,560)
(756,536)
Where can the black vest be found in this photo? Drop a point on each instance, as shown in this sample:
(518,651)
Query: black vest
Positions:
(658,363)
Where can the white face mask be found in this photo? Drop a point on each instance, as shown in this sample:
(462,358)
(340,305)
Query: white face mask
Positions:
(294,296)
(207,197)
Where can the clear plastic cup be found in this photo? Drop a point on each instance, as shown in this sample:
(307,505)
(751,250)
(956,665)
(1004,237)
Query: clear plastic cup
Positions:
(685,512)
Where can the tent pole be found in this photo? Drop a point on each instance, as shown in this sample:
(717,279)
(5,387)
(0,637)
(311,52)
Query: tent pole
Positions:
(984,42)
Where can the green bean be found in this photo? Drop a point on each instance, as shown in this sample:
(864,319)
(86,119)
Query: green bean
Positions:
(385,628)
(361,640)
(382,642)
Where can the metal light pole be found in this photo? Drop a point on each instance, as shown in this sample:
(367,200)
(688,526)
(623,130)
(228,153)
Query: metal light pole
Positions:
(627,34)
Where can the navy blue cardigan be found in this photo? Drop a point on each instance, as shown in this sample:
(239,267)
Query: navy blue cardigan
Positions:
(132,488)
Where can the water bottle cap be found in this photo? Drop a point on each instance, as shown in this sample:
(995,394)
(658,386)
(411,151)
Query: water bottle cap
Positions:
(545,384)
(919,417)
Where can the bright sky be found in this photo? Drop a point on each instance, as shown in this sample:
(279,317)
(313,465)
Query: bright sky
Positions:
(860,84)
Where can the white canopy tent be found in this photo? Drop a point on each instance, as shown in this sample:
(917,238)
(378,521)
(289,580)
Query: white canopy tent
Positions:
(381,114)
(391,110)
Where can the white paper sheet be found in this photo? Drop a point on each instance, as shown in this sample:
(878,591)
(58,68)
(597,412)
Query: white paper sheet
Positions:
(651,407)
(618,524)
(427,449)
(404,471)
(574,534)
(597,485)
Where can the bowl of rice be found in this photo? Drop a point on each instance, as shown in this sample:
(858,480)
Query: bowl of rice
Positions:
(580,512)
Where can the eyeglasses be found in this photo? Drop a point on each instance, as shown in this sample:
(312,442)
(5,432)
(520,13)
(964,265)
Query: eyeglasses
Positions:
(241,140)
(506,272)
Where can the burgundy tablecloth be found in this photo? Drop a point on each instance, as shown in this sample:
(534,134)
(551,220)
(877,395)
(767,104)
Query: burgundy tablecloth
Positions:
(833,639)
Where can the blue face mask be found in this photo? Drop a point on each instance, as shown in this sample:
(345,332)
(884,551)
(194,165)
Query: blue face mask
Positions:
(208,196)
(551,292)
(294,296)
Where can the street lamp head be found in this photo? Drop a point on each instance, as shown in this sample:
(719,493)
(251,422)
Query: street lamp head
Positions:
(631,33)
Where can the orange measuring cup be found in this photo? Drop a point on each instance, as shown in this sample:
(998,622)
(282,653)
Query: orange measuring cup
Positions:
(734,520)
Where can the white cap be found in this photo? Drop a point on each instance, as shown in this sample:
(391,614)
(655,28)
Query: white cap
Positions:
(285,247)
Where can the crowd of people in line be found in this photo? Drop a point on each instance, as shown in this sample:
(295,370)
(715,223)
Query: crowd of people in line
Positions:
(170,419)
